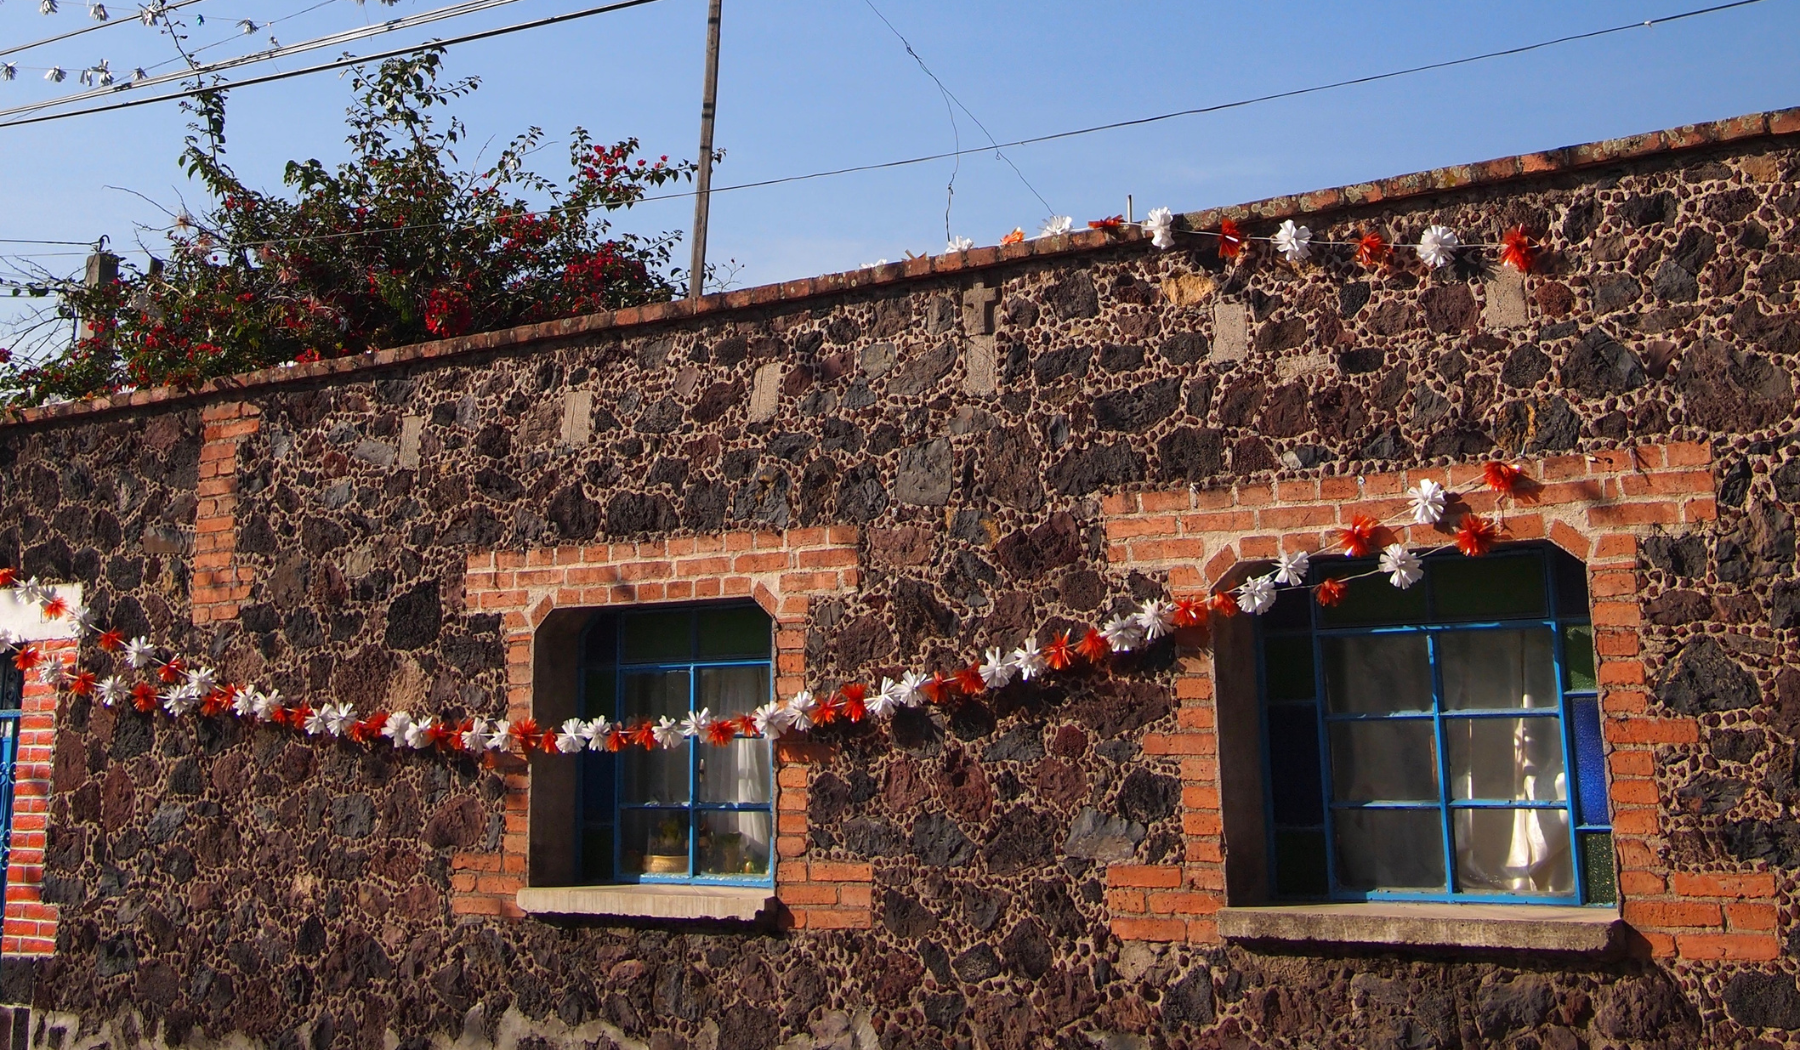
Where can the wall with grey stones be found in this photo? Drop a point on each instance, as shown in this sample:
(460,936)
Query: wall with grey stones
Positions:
(215,879)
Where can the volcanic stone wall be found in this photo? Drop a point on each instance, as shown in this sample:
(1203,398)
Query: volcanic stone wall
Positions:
(966,417)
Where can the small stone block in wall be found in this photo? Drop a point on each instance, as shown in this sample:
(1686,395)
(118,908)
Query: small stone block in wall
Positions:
(1231,331)
(765,392)
(981,366)
(412,428)
(1505,300)
(578,417)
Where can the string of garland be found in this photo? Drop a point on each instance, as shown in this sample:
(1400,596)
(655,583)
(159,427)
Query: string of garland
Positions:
(150,678)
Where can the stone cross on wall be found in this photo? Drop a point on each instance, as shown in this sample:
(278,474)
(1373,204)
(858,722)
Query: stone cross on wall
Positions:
(980,358)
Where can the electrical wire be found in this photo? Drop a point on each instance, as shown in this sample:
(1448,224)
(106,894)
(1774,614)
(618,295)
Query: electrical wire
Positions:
(16,48)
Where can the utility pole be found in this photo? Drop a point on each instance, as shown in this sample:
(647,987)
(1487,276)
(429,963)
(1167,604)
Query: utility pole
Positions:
(703,180)
(102,269)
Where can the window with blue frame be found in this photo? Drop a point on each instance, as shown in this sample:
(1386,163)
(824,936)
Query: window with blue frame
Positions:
(698,812)
(12,704)
(1440,742)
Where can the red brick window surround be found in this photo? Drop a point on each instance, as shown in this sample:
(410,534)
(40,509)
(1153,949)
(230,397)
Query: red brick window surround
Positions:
(1598,508)
(541,594)
(30,923)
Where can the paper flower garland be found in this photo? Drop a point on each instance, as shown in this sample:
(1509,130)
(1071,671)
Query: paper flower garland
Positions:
(1437,246)
(1160,225)
(1427,500)
(1293,242)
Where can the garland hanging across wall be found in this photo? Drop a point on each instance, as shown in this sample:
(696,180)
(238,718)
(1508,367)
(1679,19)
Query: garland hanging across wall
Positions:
(150,677)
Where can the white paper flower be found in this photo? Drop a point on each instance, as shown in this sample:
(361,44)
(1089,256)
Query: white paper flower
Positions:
(46,7)
(596,733)
(139,652)
(1156,619)
(247,26)
(149,15)
(1160,225)
(873,265)
(996,670)
(501,737)
(770,720)
(418,734)
(799,711)
(1293,242)
(55,75)
(1029,661)
(97,12)
(1256,595)
(475,738)
(668,733)
(338,718)
(883,702)
(178,700)
(9,71)
(396,728)
(266,704)
(202,680)
(570,739)
(913,686)
(7,638)
(1437,246)
(1057,226)
(83,619)
(112,689)
(1291,567)
(959,244)
(697,723)
(243,702)
(1122,633)
(1402,566)
(53,672)
(1427,499)
(31,592)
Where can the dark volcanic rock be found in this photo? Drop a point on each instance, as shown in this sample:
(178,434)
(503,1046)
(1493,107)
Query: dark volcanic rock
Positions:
(1702,678)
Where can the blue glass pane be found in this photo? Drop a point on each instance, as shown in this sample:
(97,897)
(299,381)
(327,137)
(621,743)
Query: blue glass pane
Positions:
(1295,787)
(1590,763)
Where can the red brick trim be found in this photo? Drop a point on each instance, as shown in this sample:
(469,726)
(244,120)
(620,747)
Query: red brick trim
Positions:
(782,571)
(218,584)
(1597,508)
(30,924)
(1400,187)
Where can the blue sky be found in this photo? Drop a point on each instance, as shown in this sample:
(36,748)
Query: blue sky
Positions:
(823,84)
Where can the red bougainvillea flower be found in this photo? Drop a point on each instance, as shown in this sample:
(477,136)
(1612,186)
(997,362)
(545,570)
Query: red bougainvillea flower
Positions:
(1231,240)
(172,670)
(1503,478)
(112,641)
(143,697)
(1223,602)
(1331,592)
(1516,250)
(27,657)
(81,683)
(1475,535)
(8,576)
(1371,250)
(1111,222)
(969,681)
(722,732)
(1093,646)
(1358,538)
(54,606)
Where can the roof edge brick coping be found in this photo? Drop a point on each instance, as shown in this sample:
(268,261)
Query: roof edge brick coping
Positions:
(1456,177)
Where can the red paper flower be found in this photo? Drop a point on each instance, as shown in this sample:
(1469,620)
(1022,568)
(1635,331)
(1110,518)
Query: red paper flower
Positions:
(1358,539)
(617,738)
(969,681)
(1331,592)
(1111,222)
(1371,250)
(1015,237)
(1517,251)
(299,715)
(1475,535)
(27,657)
(829,710)
(1190,612)
(112,641)
(143,697)
(81,683)
(1223,602)
(547,742)
(1503,478)
(941,687)
(446,736)
(215,703)
(1231,240)
(722,732)
(746,724)
(369,729)
(54,607)
(8,576)
(1059,654)
(1094,646)
(527,732)
(172,670)
(854,698)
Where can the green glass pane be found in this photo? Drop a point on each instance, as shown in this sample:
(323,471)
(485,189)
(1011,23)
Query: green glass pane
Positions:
(1288,667)
(1494,587)
(1578,658)
(1598,879)
(598,695)
(1371,600)
(741,632)
(654,637)
(1300,864)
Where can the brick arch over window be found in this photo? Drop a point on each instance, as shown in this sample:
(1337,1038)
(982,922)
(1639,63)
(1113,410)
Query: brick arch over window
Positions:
(1596,508)
(544,596)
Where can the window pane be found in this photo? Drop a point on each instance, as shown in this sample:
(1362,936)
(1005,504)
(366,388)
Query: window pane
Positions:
(599,772)
(737,772)
(602,641)
(1506,759)
(1497,670)
(1513,851)
(657,637)
(1570,578)
(1389,849)
(1294,781)
(1292,610)
(1288,667)
(653,694)
(1300,864)
(655,841)
(1371,600)
(1590,762)
(597,697)
(734,843)
(1377,674)
(658,777)
(736,633)
(1496,587)
(596,854)
(1578,659)
(1389,760)
(1597,867)
(731,691)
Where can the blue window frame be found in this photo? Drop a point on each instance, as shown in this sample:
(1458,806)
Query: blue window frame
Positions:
(12,703)
(1437,743)
(698,812)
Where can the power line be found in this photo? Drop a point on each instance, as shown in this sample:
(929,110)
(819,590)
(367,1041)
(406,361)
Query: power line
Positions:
(16,48)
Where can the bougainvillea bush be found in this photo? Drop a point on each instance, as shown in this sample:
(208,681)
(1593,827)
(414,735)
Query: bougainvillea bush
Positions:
(397,245)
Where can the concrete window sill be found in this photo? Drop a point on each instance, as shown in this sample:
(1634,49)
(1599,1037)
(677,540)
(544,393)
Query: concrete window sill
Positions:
(1497,926)
(740,904)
